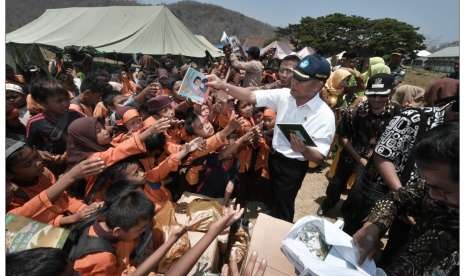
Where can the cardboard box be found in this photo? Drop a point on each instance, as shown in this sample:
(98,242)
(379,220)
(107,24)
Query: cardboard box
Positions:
(268,232)
(209,261)
(24,233)
(184,219)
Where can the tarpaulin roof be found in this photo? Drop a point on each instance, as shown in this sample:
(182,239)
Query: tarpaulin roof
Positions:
(130,29)
(214,52)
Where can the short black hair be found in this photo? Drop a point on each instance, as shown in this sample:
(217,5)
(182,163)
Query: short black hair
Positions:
(129,209)
(43,89)
(111,174)
(197,78)
(107,98)
(155,142)
(36,262)
(440,145)
(349,55)
(118,188)
(91,83)
(189,120)
(13,158)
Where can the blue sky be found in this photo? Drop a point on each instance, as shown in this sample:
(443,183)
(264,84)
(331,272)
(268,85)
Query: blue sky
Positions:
(438,19)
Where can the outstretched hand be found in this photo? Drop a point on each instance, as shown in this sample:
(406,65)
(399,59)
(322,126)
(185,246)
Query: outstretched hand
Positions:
(230,215)
(215,82)
(87,168)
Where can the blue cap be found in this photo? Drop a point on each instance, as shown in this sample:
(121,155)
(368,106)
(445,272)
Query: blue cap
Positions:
(312,67)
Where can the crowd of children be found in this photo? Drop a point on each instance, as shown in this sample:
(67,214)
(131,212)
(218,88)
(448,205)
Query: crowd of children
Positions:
(103,157)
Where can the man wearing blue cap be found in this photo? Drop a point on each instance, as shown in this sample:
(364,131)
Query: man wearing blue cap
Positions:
(301,104)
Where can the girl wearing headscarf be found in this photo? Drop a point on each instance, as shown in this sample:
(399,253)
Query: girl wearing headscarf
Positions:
(409,95)
(334,86)
(376,66)
(442,91)
(88,138)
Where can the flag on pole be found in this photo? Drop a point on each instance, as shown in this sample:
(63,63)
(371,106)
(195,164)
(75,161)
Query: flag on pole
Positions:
(224,38)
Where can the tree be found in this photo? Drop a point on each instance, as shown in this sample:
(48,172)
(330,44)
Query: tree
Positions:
(337,32)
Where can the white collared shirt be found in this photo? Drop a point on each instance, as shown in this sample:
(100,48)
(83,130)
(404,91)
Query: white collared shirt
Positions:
(315,116)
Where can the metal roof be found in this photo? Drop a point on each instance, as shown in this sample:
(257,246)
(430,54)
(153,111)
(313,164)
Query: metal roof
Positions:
(453,51)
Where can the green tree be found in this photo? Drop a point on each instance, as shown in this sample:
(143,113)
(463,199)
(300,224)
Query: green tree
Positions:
(337,32)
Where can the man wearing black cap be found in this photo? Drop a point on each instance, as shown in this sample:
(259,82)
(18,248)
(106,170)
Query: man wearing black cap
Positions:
(300,104)
(253,67)
(359,130)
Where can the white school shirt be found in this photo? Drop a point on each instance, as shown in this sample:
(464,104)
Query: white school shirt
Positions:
(315,116)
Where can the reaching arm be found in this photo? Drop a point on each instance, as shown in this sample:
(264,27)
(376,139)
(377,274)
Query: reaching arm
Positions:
(387,170)
(188,260)
(345,142)
(81,170)
(240,93)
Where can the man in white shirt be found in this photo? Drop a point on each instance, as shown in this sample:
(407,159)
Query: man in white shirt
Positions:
(301,104)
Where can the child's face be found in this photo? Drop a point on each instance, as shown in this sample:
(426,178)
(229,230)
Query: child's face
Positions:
(134,124)
(134,172)
(202,127)
(245,110)
(167,112)
(17,99)
(205,110)
(57,104)
(268,123)
(134,232)
(258,116)
(29,165)
(103,136)
(92,98)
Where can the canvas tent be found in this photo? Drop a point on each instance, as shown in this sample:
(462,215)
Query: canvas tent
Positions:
(282,49)
(132,29)
(305,52)
(212,50)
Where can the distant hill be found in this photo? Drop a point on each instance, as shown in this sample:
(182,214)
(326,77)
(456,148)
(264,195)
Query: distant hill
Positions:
(205,19)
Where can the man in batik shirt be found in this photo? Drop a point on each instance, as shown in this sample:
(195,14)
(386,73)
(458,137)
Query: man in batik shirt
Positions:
(359,131)
(432,246)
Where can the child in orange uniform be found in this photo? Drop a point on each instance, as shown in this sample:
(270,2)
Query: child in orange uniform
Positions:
(45,201)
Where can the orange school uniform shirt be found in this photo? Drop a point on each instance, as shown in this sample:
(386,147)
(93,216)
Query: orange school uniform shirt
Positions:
(213,143)
(245,154)
(105,263)
(39,207)
(86,111)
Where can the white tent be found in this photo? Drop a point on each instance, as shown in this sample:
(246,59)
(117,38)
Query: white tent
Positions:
(282,49)
(305,52)
(140,29)
(214,52)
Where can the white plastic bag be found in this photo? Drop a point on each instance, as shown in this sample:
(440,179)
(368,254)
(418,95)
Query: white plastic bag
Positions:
(341,259)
